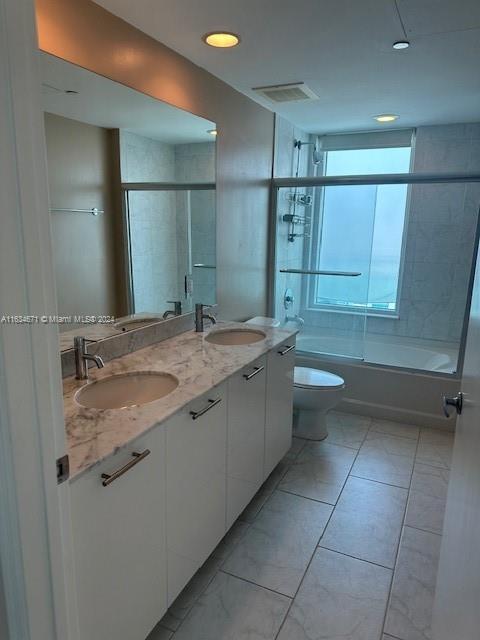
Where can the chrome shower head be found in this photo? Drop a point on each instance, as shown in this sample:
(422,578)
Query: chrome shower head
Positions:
(316,154)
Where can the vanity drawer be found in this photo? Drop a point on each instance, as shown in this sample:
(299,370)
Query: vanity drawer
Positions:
(120,542)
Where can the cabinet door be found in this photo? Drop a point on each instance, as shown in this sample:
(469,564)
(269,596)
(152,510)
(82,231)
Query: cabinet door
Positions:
(196,486)
(120,545)
(279,404)
(246,436)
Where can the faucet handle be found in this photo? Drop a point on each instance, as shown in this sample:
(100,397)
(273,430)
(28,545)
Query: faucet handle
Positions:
(177,304)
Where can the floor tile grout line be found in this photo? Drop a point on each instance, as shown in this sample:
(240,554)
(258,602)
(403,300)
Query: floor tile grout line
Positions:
(430,465)
(255,584)
(387,484)
(350,475)
(389,598)
(349,555)
(316,547)
(215,573)
(394,435)
(410,526)
(299,495)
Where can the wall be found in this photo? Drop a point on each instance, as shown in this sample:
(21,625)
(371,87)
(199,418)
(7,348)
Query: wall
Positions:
(85,34)
(440,238)
(80,174)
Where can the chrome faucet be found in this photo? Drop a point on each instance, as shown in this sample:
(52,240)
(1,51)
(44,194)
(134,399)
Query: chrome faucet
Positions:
(82,357)
(177,309)
(200,316)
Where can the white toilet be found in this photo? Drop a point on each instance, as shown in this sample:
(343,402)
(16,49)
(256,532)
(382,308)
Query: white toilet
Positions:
(315,392)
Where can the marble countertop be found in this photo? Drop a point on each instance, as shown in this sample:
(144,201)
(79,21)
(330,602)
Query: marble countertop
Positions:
(94,434)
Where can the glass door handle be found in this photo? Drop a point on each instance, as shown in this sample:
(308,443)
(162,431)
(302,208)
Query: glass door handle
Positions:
(349,274)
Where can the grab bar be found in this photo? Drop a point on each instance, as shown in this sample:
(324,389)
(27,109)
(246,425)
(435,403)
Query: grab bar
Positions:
(350,274)
(94,210)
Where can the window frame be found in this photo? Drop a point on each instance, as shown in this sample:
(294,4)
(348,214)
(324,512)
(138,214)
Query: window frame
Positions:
(311,251)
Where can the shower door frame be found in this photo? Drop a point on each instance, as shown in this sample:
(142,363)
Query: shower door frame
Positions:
(371,179)
(126,187)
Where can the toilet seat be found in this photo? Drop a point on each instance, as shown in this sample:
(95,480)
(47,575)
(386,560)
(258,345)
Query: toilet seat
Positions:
(307,378)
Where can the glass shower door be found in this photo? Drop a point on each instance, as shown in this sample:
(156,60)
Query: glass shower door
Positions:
(323,270)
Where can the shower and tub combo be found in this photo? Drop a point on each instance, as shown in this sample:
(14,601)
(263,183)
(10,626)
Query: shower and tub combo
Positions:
(373,261)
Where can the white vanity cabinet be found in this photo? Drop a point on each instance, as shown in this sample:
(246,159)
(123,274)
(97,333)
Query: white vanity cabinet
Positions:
(246,436)
(146,518)
(279,403)
(119,542)
(196,485)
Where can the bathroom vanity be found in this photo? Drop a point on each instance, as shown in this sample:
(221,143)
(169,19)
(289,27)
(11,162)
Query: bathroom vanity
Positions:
(156,486)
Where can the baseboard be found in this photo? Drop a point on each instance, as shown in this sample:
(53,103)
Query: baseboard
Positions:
(396,414)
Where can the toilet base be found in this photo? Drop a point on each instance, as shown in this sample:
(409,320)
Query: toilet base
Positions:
(310,425)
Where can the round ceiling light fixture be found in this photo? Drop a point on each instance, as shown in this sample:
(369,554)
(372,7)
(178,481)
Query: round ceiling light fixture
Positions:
(386,117)
(401,44)
(221,39)
(212,132)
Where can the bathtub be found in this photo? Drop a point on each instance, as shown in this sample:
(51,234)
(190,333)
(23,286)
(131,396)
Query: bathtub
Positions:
(387,377)
(407,353)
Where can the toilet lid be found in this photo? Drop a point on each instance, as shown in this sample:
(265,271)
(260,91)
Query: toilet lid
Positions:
(307,378)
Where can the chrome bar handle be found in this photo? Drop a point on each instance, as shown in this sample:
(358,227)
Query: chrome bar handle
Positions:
(456,402)
(308,272)
(212,403)
(256,371)
(287,349)
(137,457)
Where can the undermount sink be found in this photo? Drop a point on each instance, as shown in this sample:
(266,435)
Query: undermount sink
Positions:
(233,337)
(126,390)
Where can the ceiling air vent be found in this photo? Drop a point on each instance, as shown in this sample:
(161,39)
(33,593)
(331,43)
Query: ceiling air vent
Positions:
(293,92)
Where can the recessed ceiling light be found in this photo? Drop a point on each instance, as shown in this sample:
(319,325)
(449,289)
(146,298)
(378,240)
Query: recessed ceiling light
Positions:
(221,39)
(401,44)
(212,132)
(386,117)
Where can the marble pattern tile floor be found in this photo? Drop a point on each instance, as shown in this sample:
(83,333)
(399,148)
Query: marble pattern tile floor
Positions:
(341,541)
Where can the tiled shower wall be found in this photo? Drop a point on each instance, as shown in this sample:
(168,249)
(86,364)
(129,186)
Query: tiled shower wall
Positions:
(160,239)
(440,237)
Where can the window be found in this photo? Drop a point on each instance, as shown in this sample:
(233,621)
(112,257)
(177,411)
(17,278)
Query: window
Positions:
(360,228)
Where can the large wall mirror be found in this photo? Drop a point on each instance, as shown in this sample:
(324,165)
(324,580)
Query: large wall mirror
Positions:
(132,196)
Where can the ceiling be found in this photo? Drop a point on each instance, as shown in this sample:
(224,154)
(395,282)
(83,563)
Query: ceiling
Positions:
(106,103)
(342,49)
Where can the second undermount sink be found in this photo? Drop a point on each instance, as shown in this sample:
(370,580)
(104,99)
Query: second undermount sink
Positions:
(126,390)
(232,337)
